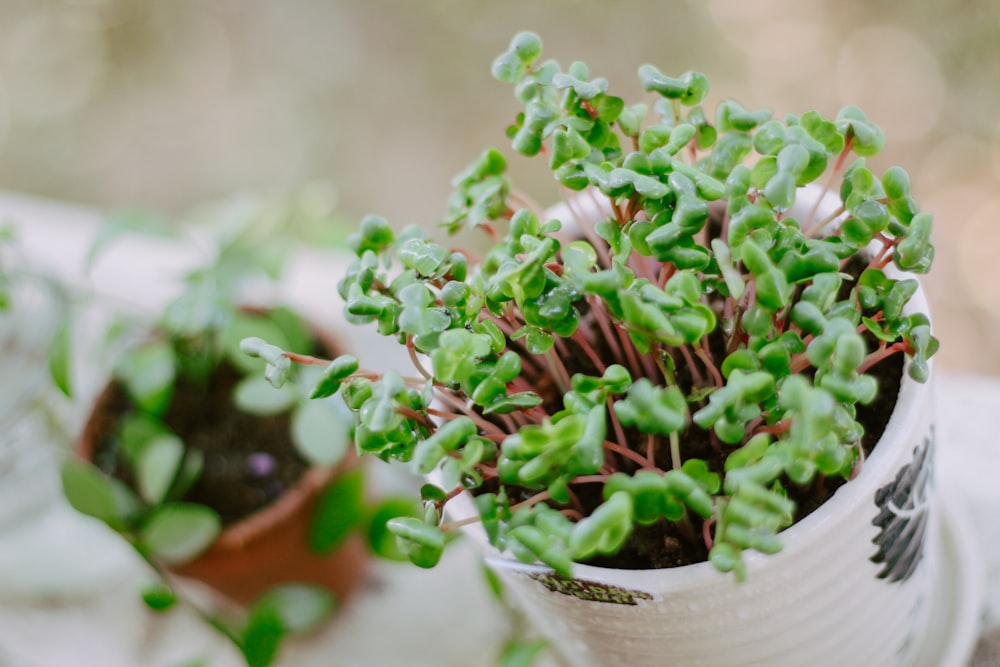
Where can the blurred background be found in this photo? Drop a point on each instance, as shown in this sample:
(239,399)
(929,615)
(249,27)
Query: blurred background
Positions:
(375,104)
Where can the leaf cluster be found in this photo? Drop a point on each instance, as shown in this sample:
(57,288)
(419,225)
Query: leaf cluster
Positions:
(138,486)
(713,304)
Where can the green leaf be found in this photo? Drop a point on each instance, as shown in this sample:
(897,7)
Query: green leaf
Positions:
(691,88)
(262,637)
(508,67)
(88,490)
(375,235)
(382,542)
(896,183)
(158,596)
(148,373)
(527,46)
(158,466)
(521,652)
(728,558)
(300,607)
(422,543)
(585,90)
(566,145)
(653,409)
(423,256)
(868,138)
(285,609)
(340,510)
(255,395)
(513,402)
(339,370)
(544,546)
(605,530)
(630,119)
(321,430)
(60,357)
(178,532)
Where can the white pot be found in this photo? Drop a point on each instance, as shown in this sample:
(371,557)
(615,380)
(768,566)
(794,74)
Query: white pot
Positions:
(852,586)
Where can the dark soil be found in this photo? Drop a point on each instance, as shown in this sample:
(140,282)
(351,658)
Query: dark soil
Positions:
(249,461)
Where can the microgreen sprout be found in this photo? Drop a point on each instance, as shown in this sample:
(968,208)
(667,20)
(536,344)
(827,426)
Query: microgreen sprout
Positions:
(692,362)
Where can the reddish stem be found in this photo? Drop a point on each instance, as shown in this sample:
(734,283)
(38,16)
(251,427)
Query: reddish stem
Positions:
(306,360)
(881,353)
(706,532)
(629,454)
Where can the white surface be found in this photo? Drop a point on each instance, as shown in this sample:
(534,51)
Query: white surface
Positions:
(443,617)
(955,619)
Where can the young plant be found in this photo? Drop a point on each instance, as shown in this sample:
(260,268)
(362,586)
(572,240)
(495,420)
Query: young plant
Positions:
(679,381)
(143,481)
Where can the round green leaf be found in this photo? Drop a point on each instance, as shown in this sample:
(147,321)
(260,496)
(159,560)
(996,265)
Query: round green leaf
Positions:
(321,430)
(422,543)
(148,373)
(300,607)
(256,396)
(383,543)
(158,596)
(157,467)
(88,490)
(178,532)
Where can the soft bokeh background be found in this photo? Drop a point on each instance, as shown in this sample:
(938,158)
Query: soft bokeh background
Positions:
(160,104)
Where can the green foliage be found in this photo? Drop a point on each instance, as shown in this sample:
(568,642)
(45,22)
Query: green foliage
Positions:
(284,610)
(175,533)
(521,652)
(158,596)
(195,335)
(681,362)
(341,507)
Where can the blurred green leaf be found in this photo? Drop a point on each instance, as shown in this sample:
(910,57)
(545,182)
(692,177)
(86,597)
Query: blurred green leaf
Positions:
(148,373)
(60,356)
(340,510)
(158,466)
(320,430)
(255,395)
(178,532)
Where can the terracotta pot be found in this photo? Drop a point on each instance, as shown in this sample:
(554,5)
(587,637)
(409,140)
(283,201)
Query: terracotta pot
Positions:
(270,547)
(854,584)
(266,548)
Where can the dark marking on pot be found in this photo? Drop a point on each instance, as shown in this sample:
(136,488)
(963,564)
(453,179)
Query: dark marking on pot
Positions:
(904,515)
(591,591)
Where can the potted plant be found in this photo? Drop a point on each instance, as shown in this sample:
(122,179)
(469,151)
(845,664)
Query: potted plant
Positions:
(256,494)
(710,359)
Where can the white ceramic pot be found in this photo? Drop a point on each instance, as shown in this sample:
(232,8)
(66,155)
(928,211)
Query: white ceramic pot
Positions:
(852,586)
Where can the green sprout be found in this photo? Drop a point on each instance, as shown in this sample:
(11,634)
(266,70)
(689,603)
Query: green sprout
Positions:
(693,365)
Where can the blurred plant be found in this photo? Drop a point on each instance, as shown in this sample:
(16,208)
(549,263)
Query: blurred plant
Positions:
(19,291)
(139,485)
(690,365)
